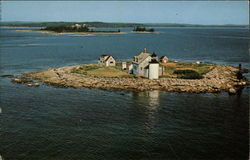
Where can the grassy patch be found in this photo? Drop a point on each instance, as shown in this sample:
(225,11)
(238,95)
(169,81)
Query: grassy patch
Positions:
(108,72)
(171,67)
(96,70)
(89,67)
(202,68)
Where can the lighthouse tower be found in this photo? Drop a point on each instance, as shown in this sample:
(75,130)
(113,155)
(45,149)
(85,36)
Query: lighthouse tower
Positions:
(153,67)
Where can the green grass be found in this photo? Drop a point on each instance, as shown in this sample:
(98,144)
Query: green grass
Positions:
(202,68)
(196,69)
(100,71)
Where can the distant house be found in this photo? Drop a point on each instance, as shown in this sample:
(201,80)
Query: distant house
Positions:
(146,65)
(106,60)
(78,25)
(164,59)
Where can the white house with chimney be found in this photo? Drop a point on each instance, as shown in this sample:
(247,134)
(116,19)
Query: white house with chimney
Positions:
(106,60)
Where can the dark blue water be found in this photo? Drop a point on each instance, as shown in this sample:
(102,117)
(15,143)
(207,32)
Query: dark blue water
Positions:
(90,124)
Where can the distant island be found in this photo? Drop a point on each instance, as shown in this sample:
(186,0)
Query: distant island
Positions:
(75,28)
(142,29)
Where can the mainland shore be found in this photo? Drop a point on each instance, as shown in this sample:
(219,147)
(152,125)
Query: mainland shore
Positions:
(220,78)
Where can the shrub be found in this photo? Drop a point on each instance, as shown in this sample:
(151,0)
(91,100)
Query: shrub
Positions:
(187,74)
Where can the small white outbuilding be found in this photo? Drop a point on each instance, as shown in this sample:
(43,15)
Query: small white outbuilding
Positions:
(124,65)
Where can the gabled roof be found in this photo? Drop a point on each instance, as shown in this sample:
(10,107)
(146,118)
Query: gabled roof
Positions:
(142,56)
(108,58)
(105,57)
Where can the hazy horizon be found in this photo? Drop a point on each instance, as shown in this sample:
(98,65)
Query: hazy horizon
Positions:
(115,22)
(162,12)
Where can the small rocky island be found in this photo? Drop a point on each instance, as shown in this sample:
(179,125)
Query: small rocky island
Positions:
(143,29)
(75,28)
(145,72)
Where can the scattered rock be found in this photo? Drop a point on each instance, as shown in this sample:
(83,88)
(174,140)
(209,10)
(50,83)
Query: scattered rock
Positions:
(232,91)
(17,80)
(29,84)
(21,80)
(36,84)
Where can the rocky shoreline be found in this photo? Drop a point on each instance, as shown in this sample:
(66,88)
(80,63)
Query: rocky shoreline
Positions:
(221,78)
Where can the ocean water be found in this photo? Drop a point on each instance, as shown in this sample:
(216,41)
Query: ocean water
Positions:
(90,124)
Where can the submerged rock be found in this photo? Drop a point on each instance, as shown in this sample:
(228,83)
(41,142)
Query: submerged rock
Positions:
(36,84)
(22,80)
(29,84)
(17,80)
(7,75)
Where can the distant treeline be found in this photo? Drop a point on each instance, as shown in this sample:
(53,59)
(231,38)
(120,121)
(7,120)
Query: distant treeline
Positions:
(74,28)
(66,29)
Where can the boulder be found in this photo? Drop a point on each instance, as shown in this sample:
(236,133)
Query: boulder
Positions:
(232,91)
(29,84)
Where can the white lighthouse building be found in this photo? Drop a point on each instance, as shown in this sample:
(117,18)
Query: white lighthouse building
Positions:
(153,70)
(146,65)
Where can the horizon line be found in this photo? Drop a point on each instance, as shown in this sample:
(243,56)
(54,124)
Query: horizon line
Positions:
(122,22)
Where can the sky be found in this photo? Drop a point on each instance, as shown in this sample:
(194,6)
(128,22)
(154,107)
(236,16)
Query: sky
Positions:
(188,12)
